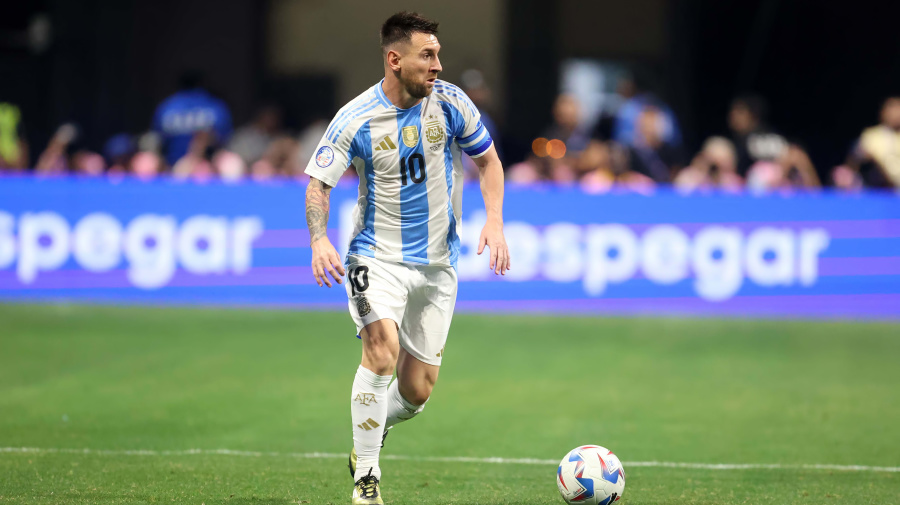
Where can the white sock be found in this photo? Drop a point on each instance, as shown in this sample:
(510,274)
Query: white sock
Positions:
(368,410)
(398,409)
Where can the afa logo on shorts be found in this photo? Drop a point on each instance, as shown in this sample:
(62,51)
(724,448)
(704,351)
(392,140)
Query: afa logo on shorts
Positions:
(362,306)
(324,156)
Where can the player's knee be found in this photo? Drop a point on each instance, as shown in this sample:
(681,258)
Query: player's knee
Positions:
(417,394)
(380,359)
(380,350)
(420,396)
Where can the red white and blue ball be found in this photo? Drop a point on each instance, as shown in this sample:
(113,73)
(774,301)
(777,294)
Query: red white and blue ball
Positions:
(590,475)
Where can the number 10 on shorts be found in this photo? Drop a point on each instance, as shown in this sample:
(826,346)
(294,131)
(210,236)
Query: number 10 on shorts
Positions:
(359,279)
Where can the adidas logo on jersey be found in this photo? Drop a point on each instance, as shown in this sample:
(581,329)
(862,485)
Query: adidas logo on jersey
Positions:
(386,145)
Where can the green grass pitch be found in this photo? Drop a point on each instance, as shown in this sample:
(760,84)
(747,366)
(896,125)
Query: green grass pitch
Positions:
(276,384)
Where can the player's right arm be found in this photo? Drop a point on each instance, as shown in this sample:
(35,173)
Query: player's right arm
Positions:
(333,156)
(324,256)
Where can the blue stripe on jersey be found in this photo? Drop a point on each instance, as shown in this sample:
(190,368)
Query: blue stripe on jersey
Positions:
(363,243)
(362,109)
(452,237)
(479,148)
(349,109)
(455,122)
(445,91)
(379,91)
(465,141)
(451,90)
(414,195)
(476,143)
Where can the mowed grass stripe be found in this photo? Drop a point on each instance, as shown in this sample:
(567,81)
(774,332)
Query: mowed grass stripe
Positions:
(447,459)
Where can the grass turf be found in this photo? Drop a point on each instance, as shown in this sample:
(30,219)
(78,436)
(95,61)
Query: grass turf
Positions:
(704,391)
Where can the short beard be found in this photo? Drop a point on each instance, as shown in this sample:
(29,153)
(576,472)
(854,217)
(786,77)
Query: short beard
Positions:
(415,89)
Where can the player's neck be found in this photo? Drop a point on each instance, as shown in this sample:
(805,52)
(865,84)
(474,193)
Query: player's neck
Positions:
(397,94)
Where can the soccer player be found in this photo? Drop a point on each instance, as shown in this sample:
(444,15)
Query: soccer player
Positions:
(405,136)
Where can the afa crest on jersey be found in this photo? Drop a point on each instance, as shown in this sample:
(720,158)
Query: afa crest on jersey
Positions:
(410,136)
(434,134)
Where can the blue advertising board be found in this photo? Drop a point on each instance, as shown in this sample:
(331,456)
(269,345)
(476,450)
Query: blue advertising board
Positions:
(800,255)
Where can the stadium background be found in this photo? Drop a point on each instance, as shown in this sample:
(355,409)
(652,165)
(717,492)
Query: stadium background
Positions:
(233,390)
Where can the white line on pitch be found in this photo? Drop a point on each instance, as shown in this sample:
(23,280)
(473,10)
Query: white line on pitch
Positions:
(450,459)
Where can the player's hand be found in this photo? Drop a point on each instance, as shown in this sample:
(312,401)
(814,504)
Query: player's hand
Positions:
(326,259)
(492,236)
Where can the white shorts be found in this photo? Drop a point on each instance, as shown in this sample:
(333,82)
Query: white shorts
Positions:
(419,298)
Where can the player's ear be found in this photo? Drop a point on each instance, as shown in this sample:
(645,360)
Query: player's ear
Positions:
(393,59)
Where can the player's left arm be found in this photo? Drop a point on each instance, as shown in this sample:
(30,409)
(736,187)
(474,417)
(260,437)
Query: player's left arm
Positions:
(491,175)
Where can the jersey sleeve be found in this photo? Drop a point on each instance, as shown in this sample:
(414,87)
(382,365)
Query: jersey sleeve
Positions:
(330,159)
(471,135)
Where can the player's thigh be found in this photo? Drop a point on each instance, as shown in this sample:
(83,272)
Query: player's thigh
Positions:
(377,297)
(429,311)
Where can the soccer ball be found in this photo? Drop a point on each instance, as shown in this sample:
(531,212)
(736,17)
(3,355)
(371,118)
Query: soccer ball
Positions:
(590,475)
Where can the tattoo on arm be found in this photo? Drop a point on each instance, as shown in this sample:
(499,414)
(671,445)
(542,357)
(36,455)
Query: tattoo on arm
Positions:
(317,202)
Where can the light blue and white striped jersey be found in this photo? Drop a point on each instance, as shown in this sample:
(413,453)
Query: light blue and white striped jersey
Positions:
(410,171)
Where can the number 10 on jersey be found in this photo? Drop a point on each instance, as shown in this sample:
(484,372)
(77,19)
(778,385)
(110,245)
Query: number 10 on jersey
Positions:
(414,165)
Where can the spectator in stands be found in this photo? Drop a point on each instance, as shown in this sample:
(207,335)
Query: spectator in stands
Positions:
(847,178)
(55,158)
(528,171)
(13,148)
(567,139)
(877,154)
(625,128)
(251,141)
(118,151)
(714,167)
(792,170)
(651,156)
(192,109)
(147,165)
(196,164)
(279,160)
(799,171)
(567,125)
(64,155)
(606,122)
(602,162)
(556,153)
(752,138)
(229,166)
(88,163)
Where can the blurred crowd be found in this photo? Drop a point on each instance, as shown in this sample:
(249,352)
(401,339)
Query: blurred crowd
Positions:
(190,137)
(634,145)
(637,145)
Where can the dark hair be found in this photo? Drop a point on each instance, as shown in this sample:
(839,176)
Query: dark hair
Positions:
(402,25)
(755,104)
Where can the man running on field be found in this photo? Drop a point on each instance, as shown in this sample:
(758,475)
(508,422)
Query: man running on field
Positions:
(405,137)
